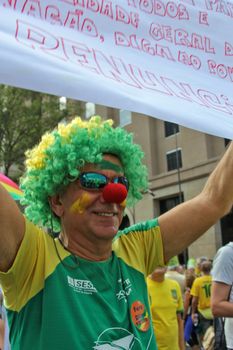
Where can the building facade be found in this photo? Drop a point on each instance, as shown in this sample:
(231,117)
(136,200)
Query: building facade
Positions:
(179,161)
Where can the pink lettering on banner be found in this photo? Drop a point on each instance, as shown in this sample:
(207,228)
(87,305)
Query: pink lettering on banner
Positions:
(159,32)
(159,8)
(32,9)
(189,60)
(183,91)
(56,15)
(132,41)
(124,17)
(52,15)
(132,3)
(200,96)
(196,41)
(181,37)
(220,70)
(80,54)
(228,49)
(148,80)
(7,4)
(227,103)
(164,52)
(80,3)
(213,101)
(36,38)
(93,5)
(203,18)
(86,25)
(115,68)
(220,6)
(106,9)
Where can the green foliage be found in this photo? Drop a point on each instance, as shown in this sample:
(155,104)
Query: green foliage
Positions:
(24,117)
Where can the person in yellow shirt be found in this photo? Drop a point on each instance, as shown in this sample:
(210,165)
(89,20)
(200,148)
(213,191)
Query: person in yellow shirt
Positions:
(1,322)
(199,262)
(201,292)
(166,309)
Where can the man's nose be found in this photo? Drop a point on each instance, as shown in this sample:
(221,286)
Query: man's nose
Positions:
(114,193)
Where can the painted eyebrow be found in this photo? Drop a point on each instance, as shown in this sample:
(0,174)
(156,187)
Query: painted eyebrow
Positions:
(105,164)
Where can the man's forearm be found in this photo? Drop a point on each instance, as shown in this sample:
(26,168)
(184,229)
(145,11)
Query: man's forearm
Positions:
(204,210)
(219,186)
(194,306)
(11,229)
(181,332)
(223,309)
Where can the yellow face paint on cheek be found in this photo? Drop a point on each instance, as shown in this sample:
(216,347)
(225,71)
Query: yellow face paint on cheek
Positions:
(80,204)
(123,204)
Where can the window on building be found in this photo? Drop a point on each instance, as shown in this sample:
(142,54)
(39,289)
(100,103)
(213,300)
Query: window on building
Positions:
(169,203)
(89,110)
(125,117)
(226,141)
(174,159)
(62,102)
(226,227)
(171,128)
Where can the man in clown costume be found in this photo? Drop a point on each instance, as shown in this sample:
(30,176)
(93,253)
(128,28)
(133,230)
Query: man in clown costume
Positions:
(70,278)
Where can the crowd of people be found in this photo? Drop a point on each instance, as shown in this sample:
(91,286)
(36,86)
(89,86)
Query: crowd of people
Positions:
(181,317)
(71,279)
(198,317)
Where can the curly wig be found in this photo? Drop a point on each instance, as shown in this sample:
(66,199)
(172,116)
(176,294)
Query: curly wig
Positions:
(60,156)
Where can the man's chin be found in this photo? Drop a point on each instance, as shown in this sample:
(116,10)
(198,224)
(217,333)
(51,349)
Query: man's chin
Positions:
(107,232)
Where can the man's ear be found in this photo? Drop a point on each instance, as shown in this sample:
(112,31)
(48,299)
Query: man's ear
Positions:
(56,205)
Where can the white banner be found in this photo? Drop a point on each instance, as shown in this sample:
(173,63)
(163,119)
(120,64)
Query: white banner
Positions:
(168,59)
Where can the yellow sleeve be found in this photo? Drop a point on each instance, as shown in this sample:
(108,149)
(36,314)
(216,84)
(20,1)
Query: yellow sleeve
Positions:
(36,259)
(195,288)
(180,307)
(141,247)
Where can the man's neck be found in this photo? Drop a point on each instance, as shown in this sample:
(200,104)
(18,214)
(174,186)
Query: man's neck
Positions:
(93,251)
(159,279)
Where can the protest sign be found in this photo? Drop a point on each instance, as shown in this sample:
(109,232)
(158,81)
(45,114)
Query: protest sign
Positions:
(168,59)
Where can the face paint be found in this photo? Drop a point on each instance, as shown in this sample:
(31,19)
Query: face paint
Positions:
(80,204)
(123,204)
(105,164)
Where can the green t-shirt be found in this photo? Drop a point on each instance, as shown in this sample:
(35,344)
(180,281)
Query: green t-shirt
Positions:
(71,303)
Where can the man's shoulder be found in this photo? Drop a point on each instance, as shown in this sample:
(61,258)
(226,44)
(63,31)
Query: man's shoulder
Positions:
(203,278)
(172,282)
(224,254)
(139,227)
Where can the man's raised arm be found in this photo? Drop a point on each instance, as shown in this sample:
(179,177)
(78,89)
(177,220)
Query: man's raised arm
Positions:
(11,229)
(188,221)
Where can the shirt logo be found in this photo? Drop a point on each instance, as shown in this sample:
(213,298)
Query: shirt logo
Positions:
(174,294)
(140,316)
(126,289)
(81,286)
(124,340)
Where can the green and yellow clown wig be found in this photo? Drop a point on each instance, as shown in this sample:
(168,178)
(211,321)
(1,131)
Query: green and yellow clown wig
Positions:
(60,155)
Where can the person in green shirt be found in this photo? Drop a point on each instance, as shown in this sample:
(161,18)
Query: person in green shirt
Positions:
(82,283)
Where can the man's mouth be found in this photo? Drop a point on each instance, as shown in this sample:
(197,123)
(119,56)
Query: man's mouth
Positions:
(105,214)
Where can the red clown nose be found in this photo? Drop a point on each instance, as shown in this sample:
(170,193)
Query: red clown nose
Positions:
(114,193)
